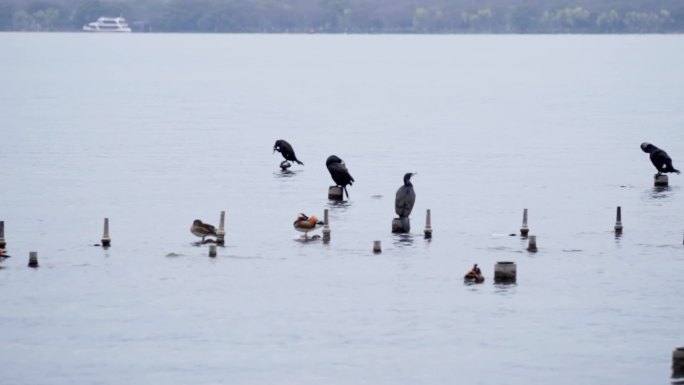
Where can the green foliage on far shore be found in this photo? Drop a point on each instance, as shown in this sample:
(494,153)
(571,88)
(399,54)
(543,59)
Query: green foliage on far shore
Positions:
(352,16)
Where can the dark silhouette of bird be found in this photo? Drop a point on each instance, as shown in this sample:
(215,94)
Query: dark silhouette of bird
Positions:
(202,229)
(659,158)
(286,150)
(339,173)
(406,197)
(305,224)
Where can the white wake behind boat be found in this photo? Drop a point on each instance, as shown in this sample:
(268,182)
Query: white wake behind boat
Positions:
(108,24)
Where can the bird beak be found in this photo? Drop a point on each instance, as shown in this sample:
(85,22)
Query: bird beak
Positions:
(274,150)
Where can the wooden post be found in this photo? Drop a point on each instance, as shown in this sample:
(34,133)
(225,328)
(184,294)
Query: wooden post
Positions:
(326,226)
(618,221)
(524,229)
(335,193)
(660,180)
(678,363)
(377,248)
(212,250)
(532,245)
(106,241)
(401,225)
(33,259)
(505,272)
(2,235)
(428,226)
(221,232)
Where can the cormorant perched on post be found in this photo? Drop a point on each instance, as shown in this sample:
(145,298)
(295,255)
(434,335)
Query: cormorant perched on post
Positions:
(286,150)
(406,197)
(659,158)
(339,172)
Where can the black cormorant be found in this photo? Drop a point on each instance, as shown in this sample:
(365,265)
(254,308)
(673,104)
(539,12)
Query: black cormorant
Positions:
(659,158)
(339,172)
(406,197)
(286,150)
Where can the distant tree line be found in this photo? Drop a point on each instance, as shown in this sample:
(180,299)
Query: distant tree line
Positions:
(352,16)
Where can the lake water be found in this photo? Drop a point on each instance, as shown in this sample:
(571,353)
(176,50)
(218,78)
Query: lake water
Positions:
(153,131)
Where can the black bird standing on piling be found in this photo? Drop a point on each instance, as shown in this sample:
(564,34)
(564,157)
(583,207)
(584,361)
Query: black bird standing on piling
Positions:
(339,172)
(286,150)
(406,197)
(659,158)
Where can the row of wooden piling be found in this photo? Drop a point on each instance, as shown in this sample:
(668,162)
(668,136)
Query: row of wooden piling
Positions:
(377,248)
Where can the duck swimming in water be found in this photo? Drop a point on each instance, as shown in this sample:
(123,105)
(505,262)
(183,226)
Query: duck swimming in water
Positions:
(202,229)
(661,161)
(305,224)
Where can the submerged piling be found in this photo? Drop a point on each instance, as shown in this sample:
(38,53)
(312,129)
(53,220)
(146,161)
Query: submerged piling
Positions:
(106,241)
(505,272)
(221,232)
(377,247)
(33,259)
(326,226)
(660,180)
(618,220)
(212,250)
(524,229)
(428,226)
(335,193)
(401,225)
(678,363)
(2,235)
(532,245)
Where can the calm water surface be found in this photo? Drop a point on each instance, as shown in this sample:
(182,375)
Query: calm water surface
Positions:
(154,131)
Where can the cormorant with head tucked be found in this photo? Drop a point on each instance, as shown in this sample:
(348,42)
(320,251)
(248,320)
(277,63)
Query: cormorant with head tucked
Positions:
(406,197)
(286,150)
(659,158)
(339,173)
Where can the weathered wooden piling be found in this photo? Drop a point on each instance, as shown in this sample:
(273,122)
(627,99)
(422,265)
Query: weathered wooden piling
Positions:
(212,250)
(106,241)
(2,235)
(505,272)
(221,232)
(428,225)
(33,259)
(401,225)
(326,226)
(284,165)
(377,247)
(335,193)
(532,244)
(524,230)
(618,220)
(678,363)
(660,180)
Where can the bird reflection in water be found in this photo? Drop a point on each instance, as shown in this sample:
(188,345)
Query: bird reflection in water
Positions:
(403,240)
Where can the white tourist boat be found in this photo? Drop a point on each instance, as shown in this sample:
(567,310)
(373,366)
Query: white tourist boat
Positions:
(108,24)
